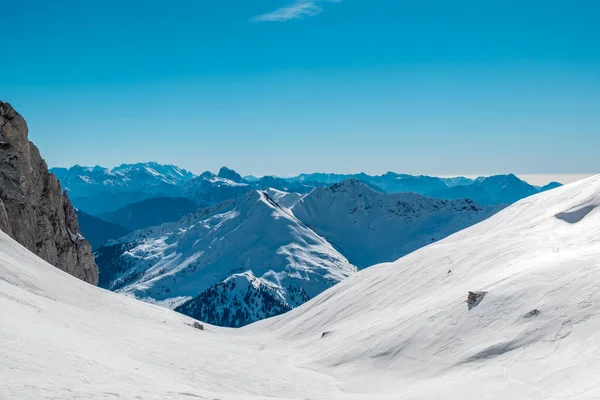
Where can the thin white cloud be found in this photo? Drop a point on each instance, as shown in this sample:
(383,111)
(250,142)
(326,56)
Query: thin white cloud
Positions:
(298,9)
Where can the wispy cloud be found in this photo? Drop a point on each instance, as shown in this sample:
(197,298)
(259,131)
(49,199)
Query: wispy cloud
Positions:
(298,9)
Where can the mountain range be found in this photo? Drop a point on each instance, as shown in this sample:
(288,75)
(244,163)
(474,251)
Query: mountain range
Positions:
(504,309)
(253,236)
(196,247)
(98,190)
(270,251)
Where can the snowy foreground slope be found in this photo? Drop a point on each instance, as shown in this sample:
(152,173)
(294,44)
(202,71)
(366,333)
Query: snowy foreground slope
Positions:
(401,330)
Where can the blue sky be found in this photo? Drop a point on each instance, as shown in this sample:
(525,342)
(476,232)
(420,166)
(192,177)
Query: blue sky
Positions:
(281,87)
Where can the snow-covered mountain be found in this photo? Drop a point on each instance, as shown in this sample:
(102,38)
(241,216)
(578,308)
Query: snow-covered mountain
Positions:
(408,329)
(528,331)
(176,262)
(126,177)
(97,190)
(369,227)
(493,190)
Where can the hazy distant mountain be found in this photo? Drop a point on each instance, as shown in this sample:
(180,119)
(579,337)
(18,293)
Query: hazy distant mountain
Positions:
(497,189)
(100,190)
(212,189)
(97,189)
(389,182)
(98,231)
(457,181)
(230,174)
(268,182)
(152,176)
(151,212)
(550,186)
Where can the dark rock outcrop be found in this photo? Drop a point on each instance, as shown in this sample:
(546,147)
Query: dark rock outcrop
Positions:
(33,209)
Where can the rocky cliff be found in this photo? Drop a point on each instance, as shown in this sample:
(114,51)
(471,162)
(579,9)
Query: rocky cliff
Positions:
(33,209)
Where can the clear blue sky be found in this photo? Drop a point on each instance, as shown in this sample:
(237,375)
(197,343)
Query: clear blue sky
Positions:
(280,87)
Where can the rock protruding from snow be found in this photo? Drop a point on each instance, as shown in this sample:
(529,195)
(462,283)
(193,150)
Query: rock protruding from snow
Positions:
(33,209)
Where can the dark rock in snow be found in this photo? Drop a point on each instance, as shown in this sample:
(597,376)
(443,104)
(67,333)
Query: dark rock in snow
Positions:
(474,298)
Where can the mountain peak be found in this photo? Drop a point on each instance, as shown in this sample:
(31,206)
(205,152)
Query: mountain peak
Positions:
(230,174)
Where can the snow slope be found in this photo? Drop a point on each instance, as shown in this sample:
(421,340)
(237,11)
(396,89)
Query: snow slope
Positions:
(61,338)
(369,227)
(174,262)
(400,330)
(533,335)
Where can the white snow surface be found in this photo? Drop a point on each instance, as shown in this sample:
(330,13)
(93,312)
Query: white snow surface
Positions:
(399,330)
(285,199)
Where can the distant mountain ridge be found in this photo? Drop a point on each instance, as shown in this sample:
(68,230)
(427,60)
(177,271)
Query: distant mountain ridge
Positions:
(493,190)
(131,177)
(98,190)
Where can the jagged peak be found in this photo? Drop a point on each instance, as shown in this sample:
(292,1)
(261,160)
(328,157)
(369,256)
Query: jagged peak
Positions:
(230,174)
(512,178)
(7,111)
(206,175)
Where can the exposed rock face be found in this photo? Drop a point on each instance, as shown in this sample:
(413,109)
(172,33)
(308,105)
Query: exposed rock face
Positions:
(33,209)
